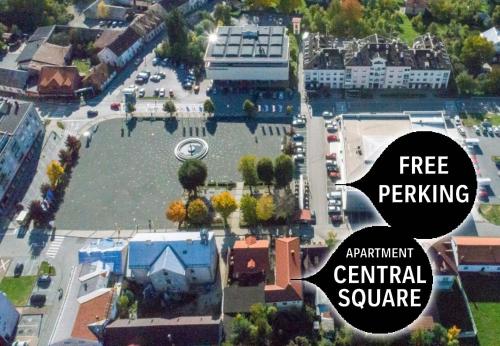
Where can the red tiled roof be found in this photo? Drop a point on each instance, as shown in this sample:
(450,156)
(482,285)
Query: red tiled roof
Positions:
(58,79)
(92,311)
(478,250)
(250,256)
(287,267)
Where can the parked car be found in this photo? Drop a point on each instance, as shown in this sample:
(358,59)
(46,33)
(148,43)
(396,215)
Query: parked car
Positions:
(299,122)
(102,24)
(157,92)
(298,138)
(461,130)
(334,201)
(482,193)
(92,113)
(155,78)
(43,279)
(142,92)
(458,122)
(164,62)
(335,218)
(331,128)
(496,130)
(114,24)
(299,157)
(477,129)
(331,156)
(18,270)
(334,175)
(115,106)
(334,195)
(38,300)
(162,92)
(333,209)
(171,93)
(327,114)
(332,138)
(187,84)
(155,61)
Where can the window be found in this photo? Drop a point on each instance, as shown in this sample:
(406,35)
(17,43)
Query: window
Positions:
(192,271)
(184,252)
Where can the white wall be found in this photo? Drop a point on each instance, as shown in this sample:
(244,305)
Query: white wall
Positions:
(247,73)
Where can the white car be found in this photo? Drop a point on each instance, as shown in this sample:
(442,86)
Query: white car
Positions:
(334,195)
(299,122)
(461,130)
(299,144)
(331,128)
(162,92)
(327,114)
(142,92)
(458,122)
(333,209)
(299,150)
(133,86)
(331,163)
(477,129)
(335,201)
(491,131)
(299,157)
(496,130)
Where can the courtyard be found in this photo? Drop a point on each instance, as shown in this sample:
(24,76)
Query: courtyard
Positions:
(125,179)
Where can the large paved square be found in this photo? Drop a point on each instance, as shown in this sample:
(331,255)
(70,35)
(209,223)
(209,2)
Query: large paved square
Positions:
(120,178)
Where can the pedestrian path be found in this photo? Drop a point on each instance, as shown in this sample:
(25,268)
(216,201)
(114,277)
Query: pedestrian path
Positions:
(54,246)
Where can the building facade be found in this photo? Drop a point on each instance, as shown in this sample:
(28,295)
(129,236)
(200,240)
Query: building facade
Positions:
(20,128)
(248,53)
(375,62)
(122,49)
(476,254)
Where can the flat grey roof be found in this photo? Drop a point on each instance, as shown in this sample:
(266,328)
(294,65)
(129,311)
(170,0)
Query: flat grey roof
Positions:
(9,118)
(246,42)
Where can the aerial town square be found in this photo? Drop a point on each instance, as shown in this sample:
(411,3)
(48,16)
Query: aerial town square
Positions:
(170,169)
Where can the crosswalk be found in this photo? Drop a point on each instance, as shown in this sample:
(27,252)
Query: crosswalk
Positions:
(54,246)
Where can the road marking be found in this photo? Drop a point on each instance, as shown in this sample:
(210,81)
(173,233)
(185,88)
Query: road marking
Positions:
(54,246)
(4,264)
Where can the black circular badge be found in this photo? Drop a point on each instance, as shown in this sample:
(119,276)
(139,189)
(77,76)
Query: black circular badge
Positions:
(377,282)
(423,184)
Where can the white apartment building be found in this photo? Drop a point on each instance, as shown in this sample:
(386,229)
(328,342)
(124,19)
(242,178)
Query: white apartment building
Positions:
(375,63)
(248,53)
(20,128)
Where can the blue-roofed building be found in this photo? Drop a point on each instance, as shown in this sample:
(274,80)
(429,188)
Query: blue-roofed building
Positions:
(172,262)
(111,252)
(8,320)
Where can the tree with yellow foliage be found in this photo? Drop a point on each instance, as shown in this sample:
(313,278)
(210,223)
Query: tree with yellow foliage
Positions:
(197,211)
(176,212)
(102,10)
(224,203)
(54,172)
(453,333)
(265,208)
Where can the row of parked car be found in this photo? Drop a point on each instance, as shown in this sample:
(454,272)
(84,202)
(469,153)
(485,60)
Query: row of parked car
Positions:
(334,199)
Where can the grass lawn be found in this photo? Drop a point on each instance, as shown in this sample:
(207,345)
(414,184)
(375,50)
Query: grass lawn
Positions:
(46,268)
(491,212)
(408,33)
(487,318)
(471,119)
(18,290)
(83,65)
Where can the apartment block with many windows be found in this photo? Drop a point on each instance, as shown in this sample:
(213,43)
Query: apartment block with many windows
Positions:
(375,62)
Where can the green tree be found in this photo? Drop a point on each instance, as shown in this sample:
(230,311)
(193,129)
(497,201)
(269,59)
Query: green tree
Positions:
(476,51)
(300,341)
(248,207)
(345,336)
(289,6)
(209,107)
(265,171)
(197,211)
(123,304)
(192,174)
(225,204)
(421,337)
(331,239)
(286,205)
(496,15)
(418,23)
(177,32)
(129,108)
(243,331)
(439,335)
(249,107)
(492,84)
(169,107)
(283,170)
(222,14)
(265,208)
(441,10)
(247,168)
(466,83)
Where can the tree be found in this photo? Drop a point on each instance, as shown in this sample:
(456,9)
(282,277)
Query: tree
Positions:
(209,107)
(123,305)
(288,6)
(177,32)
(439,335)
(248,206)
(300,341)
(476,51)
(129,107)
(54,172)
(441,9)
(265,208)
(36,213)
(192,174)
(453,333)
(243,331)
(289,109)
(102,10)
(169,107)
(197,211)
(265,171)
(73,143)
(331,239)
(224,203)
(345,337)
(283,170)
(176,212)
(249,107)
(247,168)
(496,15)
(65,157)
(262,4)
(285,205)
(466,83)
(222,14)
(421,337)
(492,83)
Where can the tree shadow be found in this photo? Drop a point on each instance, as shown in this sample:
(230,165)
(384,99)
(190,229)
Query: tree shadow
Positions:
(37,241)
(131,125)
(211,125)
(171,124)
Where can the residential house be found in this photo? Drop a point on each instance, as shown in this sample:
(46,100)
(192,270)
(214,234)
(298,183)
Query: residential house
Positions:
(111,252)
(105,38)
(286,292)
(173,261)
(13,82)
(58,81)
(49,54)
(20,128)
(414,7)
(150,23)
(493,36)
(249,260)
(122,49)
(180,331)
(88,306)
(375,62)
(9,317)
(476,254)
(99,77)
(40,36)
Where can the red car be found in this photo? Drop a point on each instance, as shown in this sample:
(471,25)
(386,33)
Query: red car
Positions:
(336,218)
(332,138)
(115,106)
(482,194)
(331,156)
(334,175)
